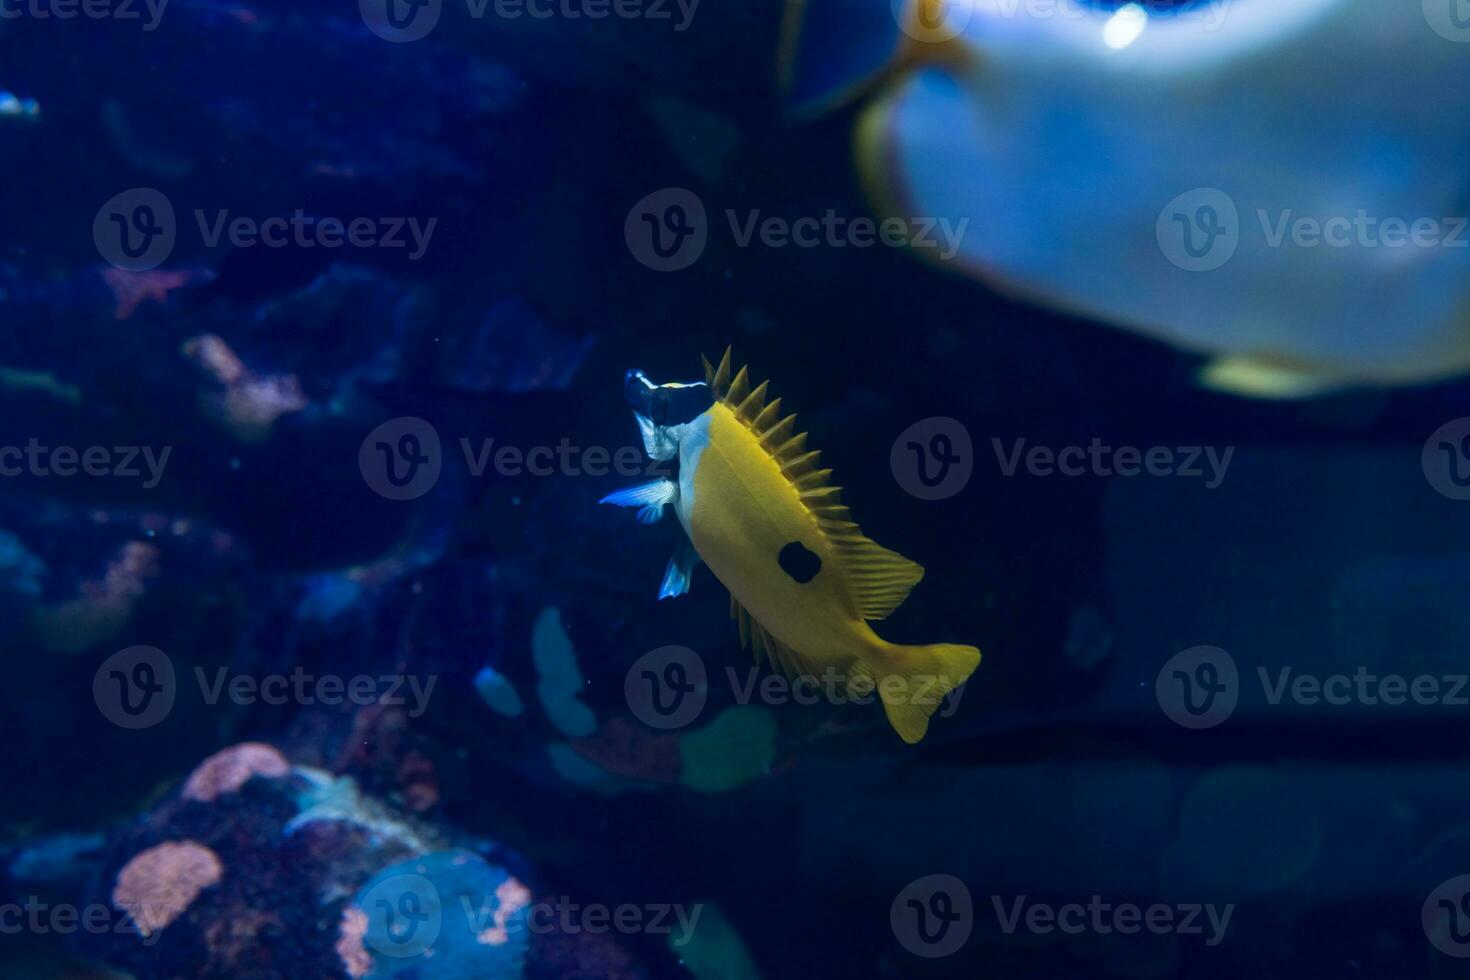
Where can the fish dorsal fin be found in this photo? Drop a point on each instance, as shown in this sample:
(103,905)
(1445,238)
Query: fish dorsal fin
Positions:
(880,579)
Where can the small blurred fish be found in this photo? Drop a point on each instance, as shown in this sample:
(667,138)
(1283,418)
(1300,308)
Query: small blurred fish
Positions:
(803,579)
(1279,185)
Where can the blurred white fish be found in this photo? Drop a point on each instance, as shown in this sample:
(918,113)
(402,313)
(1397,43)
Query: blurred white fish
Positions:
(1279,185)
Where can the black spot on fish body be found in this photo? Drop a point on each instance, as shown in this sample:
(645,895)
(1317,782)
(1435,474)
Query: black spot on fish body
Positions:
(800,562)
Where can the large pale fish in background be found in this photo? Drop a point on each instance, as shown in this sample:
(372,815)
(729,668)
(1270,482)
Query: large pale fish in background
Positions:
(1280,185)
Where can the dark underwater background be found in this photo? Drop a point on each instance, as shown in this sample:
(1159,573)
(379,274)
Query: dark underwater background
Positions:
(289,837)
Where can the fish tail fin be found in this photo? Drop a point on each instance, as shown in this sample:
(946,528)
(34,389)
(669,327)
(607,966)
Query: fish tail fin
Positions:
(913,681)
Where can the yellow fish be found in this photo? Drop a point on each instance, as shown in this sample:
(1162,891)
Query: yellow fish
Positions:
(803,580)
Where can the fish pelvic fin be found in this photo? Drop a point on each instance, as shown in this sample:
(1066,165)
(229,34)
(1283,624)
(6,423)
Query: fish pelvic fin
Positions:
(680,570)
(913,681)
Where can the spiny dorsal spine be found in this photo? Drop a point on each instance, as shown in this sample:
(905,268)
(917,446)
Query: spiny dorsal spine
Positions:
(786,446)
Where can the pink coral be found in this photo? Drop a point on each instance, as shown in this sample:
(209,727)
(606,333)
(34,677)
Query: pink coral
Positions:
(244,402)
(158,885)
(103,606)
(513,897)
(356,960)
(133,289)
(229,769)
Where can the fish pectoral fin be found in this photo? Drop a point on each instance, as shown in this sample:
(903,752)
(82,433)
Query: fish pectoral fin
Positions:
(650,498)
(763,645)
(1263,376)
(881,579)
(680,570)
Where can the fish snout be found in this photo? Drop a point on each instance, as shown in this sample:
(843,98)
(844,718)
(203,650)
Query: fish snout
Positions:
(638,390)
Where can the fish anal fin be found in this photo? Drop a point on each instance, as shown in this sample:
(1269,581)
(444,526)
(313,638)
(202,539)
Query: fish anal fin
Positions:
(880,579)
(766,646)
(1263,376)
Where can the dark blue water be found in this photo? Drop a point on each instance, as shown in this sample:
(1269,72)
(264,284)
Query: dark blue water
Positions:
(322,659)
